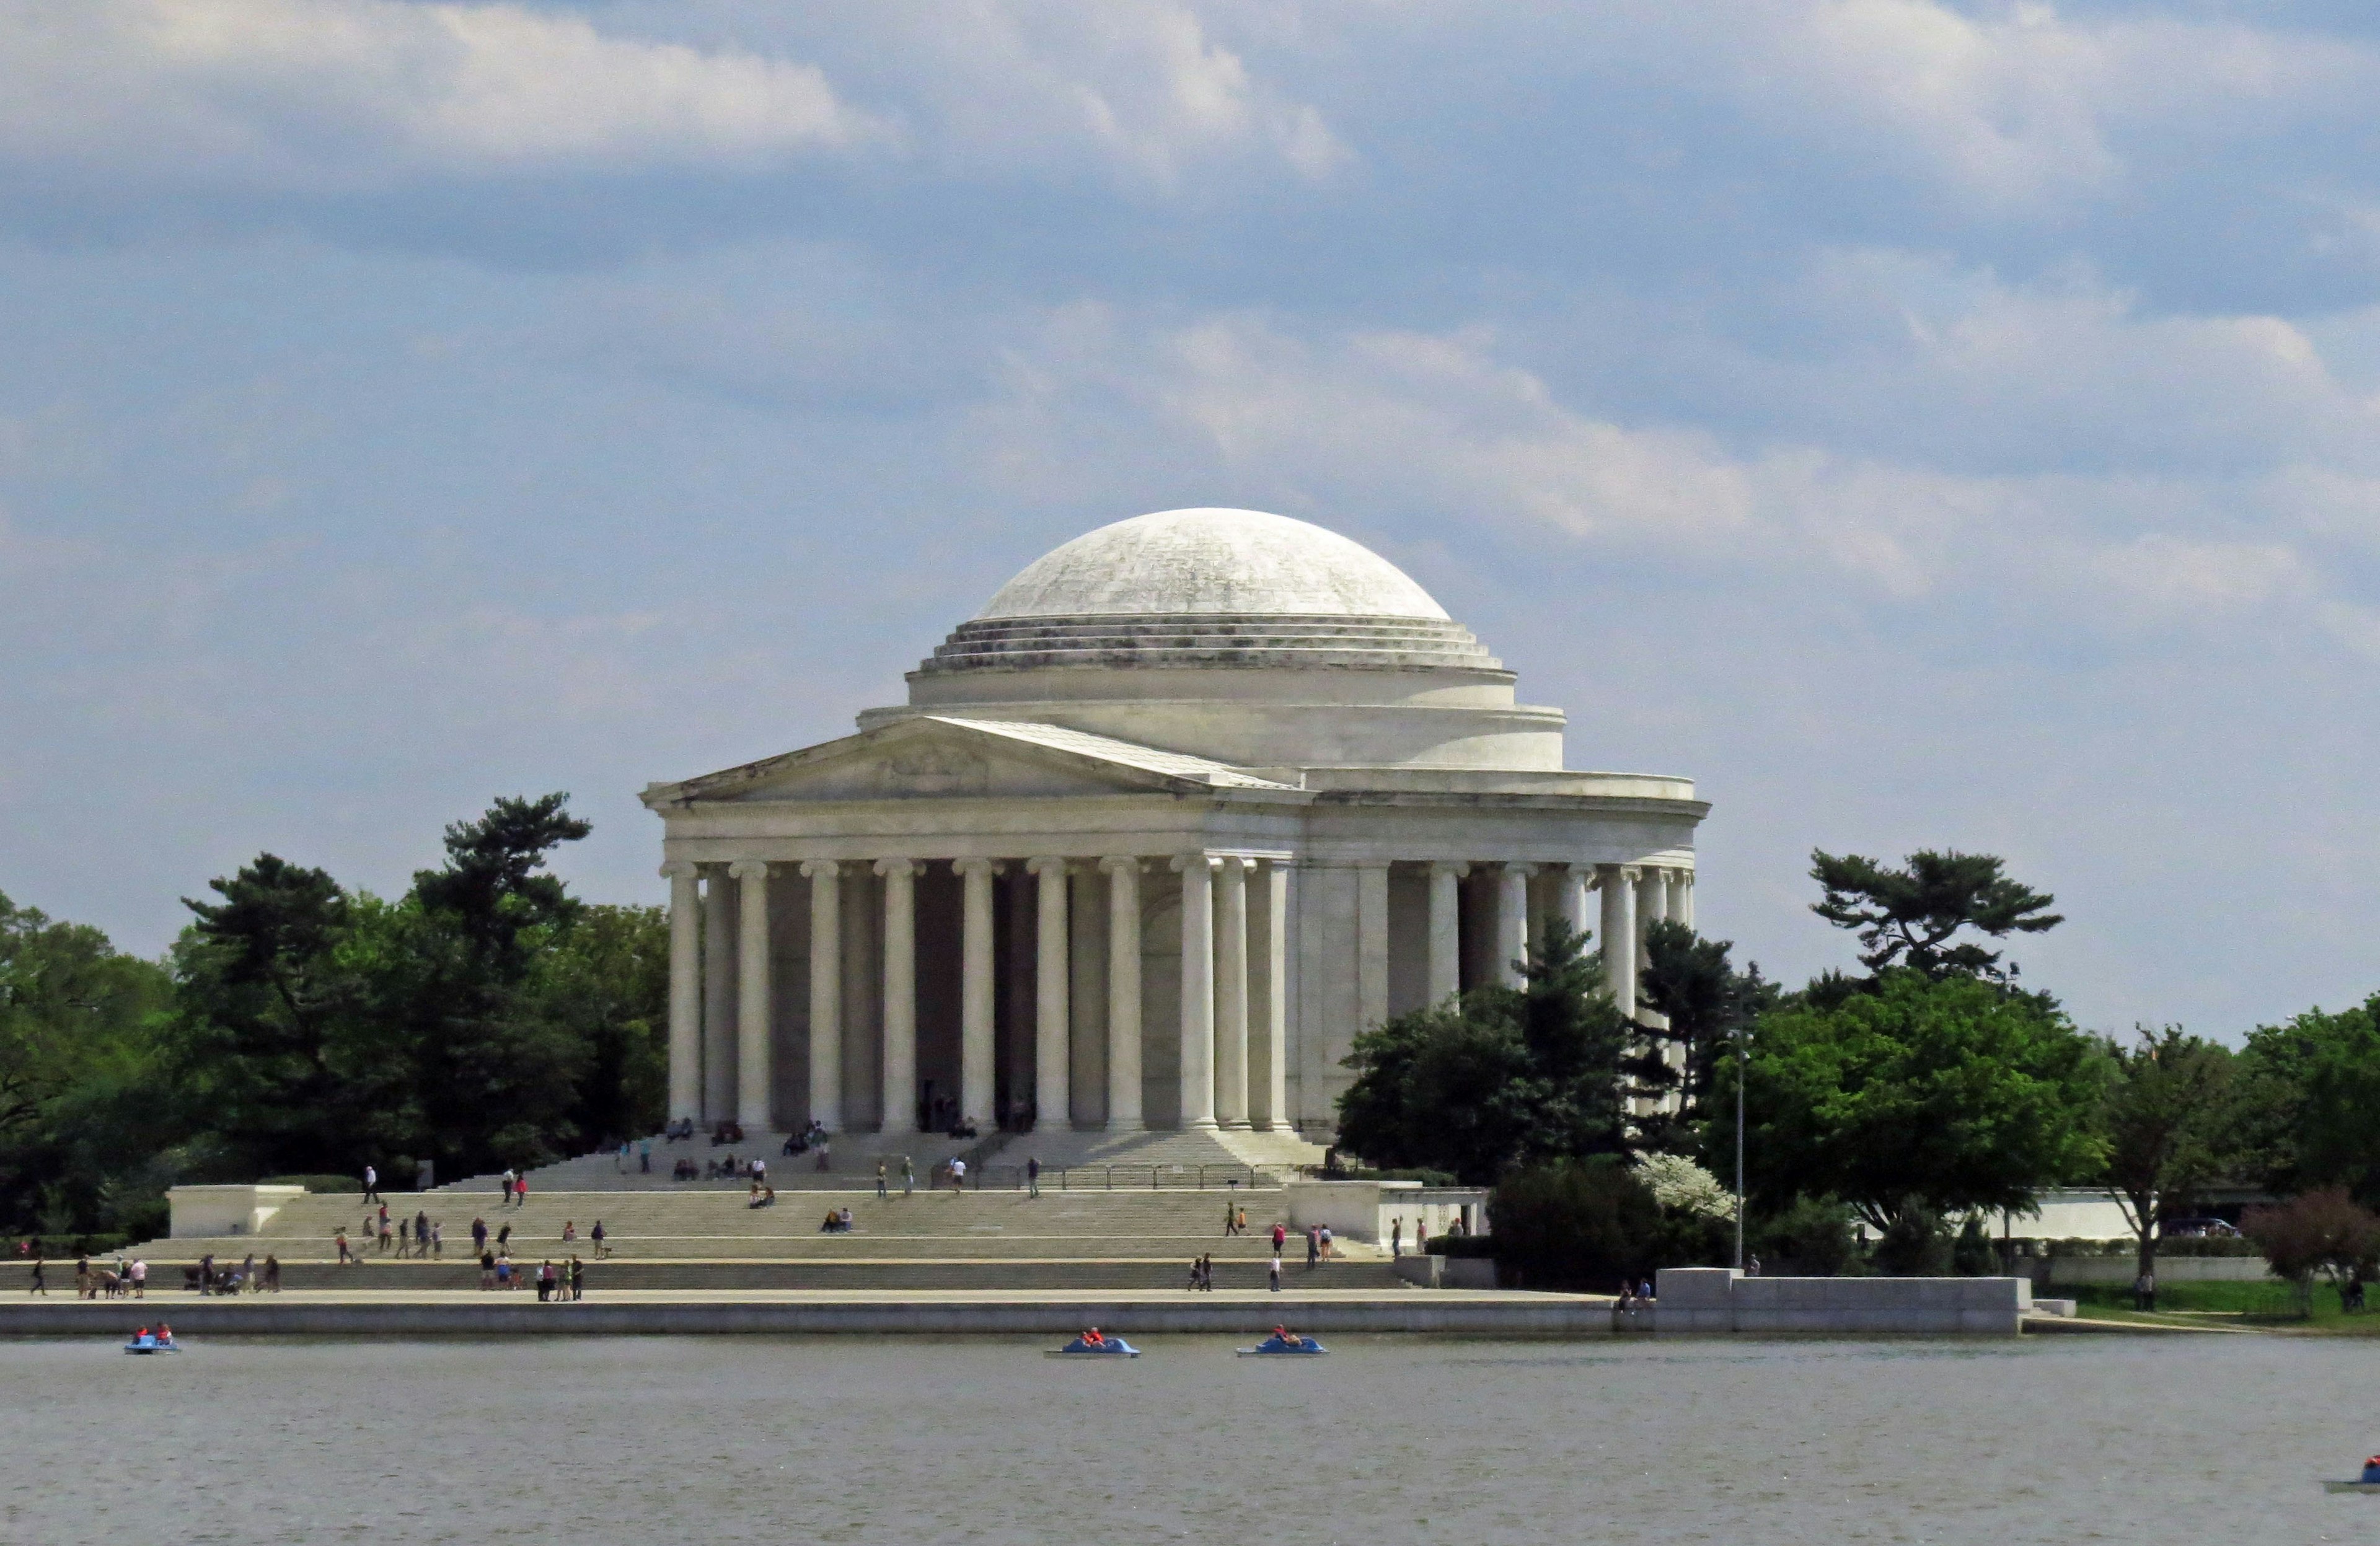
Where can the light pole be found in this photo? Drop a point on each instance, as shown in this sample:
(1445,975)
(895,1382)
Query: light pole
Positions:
(1742,1063)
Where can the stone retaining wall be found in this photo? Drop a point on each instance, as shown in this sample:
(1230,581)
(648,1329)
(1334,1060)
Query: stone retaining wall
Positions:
(1706,1299)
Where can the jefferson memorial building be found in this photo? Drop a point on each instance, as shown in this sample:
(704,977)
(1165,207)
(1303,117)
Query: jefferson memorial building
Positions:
(1193,799)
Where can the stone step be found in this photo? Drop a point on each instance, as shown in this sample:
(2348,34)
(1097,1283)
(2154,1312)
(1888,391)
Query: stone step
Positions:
(1086,1272)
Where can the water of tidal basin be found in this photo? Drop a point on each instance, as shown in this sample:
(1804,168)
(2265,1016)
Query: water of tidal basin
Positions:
(790,1440)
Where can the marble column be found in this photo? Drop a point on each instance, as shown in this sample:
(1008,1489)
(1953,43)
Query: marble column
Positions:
(1198,1062)
(1512,922)
(975,1070)
(1619,882)
(1269,1049)
(754,1078)
(1446,930)
(1682,897)
(1052,1003)
(1123,994)
(1231,993)
(685,990)
(826,991)
(717,998)
(900,993)
(1371,943)
(1570,883)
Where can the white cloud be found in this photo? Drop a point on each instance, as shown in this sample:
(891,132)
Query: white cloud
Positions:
(348,94)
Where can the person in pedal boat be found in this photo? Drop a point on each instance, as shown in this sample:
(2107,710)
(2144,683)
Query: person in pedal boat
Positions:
(1092,1338)
(2372,1469)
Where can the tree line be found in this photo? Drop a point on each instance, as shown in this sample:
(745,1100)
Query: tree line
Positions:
(1931,1085)
(299,1027)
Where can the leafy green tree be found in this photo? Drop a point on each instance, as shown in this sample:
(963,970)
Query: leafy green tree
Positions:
(1501,1077)
(1706,1002)
(606,984)
(1912,917)
(2162,1116)
(271,1046)
(494,1084)
(80,1085)
(1922,1097)
(2306,1092)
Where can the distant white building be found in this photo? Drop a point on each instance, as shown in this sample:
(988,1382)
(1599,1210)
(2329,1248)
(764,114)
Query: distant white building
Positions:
(1194,799)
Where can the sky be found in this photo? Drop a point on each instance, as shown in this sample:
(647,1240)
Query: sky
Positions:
(1923,424)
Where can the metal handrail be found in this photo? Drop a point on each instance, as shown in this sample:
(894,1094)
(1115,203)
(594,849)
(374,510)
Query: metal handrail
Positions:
(1138,1178)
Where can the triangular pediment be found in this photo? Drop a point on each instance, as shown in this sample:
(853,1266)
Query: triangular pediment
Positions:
(934,757)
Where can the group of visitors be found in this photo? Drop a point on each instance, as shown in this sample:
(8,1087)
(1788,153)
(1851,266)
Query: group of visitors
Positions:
(516,1189)
(838,1221)
(763,1195)
(681,1130)
(1635,1294)
(564,1284)
(728,1169)
(205,1278)
(644,1148)
(1202,1275)
(421,1235)
(908,1178)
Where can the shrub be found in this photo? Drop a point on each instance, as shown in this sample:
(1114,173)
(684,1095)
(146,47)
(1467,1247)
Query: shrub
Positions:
(1574,1223)
(1680,1185)
(2324,1232)
(1461,1245)
(1973,1255)
(2208,1245)
(1914,1246)
(1813,1236)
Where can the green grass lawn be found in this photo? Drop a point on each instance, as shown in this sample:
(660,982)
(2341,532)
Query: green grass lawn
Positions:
(2261,1305)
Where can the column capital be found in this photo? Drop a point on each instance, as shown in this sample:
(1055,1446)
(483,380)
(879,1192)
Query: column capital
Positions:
(1627,875)
(1238,864)
(1046,866)
(1458,869)
(1182,864)
(1116,863)
(1520,868)
(813,868)
(680,869)
(975,866)
(749,869)
(896,867)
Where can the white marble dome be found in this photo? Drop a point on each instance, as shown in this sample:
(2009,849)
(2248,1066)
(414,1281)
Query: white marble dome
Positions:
(1241,563)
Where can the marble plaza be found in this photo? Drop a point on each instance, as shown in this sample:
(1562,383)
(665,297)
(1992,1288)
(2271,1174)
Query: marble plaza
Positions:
(1193,799)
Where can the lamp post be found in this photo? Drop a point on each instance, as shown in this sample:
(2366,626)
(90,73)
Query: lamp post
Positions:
(1742,1064)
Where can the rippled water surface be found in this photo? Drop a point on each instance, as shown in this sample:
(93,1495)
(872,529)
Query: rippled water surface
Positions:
(708,1440)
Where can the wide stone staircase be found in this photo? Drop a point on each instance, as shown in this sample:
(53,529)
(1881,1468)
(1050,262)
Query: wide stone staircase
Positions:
(1098,1237)
(1069,1161)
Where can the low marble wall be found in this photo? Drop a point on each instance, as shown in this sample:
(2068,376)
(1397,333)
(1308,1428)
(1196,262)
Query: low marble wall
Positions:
(1709,1299)
(2079,1270)
(510,1315)
(200,1212)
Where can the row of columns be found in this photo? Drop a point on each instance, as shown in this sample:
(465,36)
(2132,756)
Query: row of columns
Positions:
(715,1067)
(1220,1085)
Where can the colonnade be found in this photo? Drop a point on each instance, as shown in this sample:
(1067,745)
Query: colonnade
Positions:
(1234,997)
(1233,994)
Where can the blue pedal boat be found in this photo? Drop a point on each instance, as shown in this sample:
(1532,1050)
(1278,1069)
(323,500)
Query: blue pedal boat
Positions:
(1277,1346)
(1110,1347)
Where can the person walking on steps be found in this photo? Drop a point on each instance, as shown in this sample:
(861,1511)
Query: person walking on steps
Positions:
(1033,1177)
(644,1156)
(1231,1221)
(1272,1271)
(596,1235)
(39,1286)
(882,1190)
(371,1184)
(958,1174)
(909,1176)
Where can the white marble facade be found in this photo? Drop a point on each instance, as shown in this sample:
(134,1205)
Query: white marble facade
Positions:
(1195,798)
